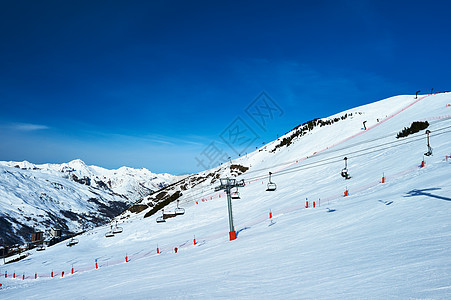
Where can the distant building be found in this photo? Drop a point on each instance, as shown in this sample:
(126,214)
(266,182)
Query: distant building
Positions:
(55,232)
(3,251)
(37,236)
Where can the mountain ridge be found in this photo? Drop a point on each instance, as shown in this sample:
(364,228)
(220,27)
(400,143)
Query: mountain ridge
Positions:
(71,196)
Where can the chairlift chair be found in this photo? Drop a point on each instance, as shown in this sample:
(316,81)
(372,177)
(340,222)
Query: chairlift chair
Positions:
(344,171)
(109,234)
(72,242)
(429,153)
(235,194)
(117,230)
(167,215)
(161,218)
(179,210)
(271,185)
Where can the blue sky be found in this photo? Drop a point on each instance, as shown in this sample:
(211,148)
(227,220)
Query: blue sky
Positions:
(155,83)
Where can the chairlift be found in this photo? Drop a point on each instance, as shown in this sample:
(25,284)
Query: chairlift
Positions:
(117,229)
(161,218)
(429,153)
(271,185)
(235,194)
(109,234)
(179,210)
(167,215)
(72,242)
(344,172)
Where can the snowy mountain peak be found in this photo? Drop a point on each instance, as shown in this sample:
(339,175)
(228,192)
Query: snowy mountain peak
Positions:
(25,165)
(78,164)
(71,195)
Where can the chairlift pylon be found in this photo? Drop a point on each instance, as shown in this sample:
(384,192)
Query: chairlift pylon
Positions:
(344,171)
(179,210)
(271,185)
(429,153)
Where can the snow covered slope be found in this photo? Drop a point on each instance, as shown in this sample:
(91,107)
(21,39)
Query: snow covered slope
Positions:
(389,238)
(72,196)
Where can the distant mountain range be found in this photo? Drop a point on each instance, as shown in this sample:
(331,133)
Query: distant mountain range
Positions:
(70,196)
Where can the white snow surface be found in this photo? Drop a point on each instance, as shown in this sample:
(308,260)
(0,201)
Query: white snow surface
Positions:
(29,192)
(387,240)
(132,183)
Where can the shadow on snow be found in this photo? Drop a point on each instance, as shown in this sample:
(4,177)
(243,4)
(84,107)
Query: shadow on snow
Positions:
(425,192)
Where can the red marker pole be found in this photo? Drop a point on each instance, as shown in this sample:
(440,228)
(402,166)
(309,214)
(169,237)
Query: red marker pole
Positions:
(232,235)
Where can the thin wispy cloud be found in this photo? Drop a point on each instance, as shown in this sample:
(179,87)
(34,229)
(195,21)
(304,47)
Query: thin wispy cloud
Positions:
(193,140)
(27,127)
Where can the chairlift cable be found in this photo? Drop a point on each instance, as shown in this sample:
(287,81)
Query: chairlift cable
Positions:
(340,149)
(358,155)
(338,158)
(332,160)
(326,161)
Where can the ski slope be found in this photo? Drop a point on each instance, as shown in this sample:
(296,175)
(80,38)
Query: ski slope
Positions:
(384,241)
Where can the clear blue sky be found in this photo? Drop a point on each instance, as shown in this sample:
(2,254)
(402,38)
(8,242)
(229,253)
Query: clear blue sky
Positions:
(153,83)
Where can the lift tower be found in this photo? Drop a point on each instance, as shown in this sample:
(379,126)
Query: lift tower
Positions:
(227,184)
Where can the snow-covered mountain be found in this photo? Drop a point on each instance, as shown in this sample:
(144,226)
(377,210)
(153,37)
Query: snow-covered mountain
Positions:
(384,233)
(71,196)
